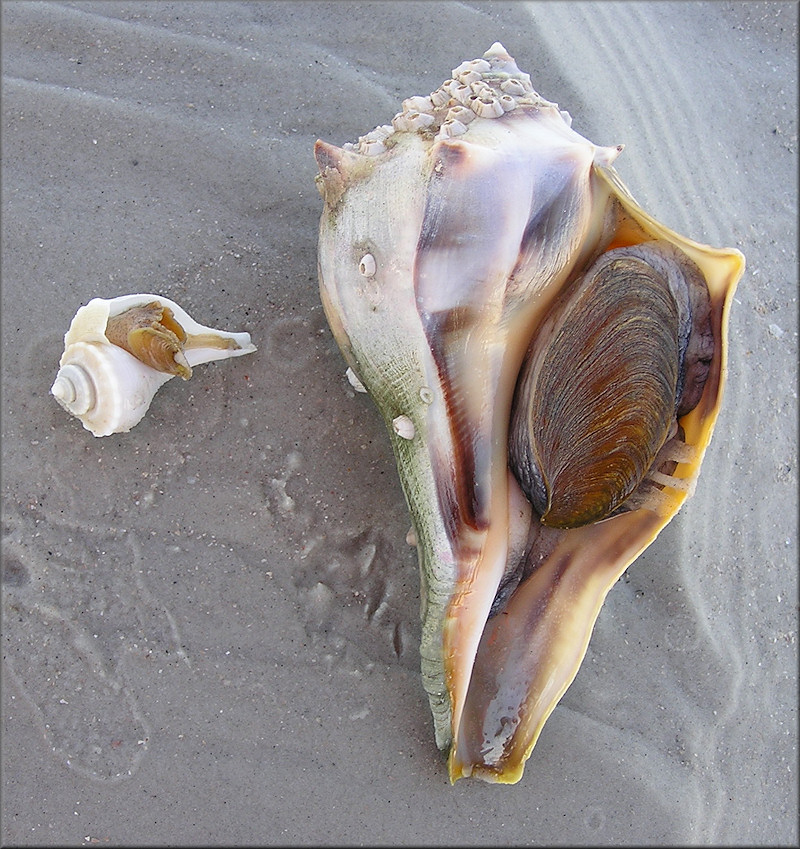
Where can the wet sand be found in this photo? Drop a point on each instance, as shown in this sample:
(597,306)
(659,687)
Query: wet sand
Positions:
(210,624)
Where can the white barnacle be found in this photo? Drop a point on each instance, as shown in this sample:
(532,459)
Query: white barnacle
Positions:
(460,92)
(512,87)
(403,427)
(412,121)
(382,132)
(485,107)
(480,87)
(479,66)
(467,77)
(441,96)
(373,142)
(460,113)
(367,265)
(418,103)
(371,147)
(420,120)
(507,102)
(426,395)
(450,129)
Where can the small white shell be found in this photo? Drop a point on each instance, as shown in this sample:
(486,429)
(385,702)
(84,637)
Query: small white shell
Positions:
(108,388)
(352,379)
(404,427)
(367,266)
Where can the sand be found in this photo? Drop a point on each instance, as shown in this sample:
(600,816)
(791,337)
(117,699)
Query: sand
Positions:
(210,624)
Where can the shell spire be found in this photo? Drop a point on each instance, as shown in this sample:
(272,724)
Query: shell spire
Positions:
(500,60)
(338,167)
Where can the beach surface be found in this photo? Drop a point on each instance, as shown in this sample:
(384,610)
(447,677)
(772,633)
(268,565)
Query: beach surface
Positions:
(211,623)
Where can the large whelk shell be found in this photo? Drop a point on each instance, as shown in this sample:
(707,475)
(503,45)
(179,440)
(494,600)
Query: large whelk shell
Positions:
(549,363)
(119,352)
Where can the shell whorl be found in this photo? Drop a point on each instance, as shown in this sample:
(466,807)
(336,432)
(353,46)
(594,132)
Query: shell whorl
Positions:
(74,389)
(104,386)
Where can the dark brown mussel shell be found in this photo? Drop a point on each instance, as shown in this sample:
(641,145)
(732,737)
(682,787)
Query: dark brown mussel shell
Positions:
(599,388)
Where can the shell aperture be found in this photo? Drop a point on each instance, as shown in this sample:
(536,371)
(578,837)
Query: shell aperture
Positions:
(150,333)
(510,262)
(118,352)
